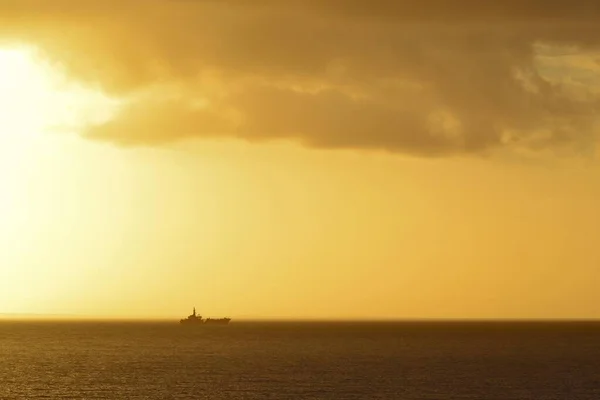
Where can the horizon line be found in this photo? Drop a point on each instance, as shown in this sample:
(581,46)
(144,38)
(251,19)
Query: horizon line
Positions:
(100,318)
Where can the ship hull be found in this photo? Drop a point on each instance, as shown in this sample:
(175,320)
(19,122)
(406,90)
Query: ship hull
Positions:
(209,322)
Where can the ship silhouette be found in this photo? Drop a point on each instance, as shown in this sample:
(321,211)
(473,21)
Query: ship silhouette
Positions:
(194,319)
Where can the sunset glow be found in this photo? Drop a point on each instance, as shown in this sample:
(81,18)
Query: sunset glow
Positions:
(299,159)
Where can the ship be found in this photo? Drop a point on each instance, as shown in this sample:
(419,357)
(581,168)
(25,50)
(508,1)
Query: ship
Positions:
(195,319)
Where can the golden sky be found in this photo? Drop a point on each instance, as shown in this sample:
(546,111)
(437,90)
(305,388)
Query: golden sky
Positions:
(300,159)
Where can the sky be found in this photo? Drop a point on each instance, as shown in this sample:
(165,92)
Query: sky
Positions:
(300,159)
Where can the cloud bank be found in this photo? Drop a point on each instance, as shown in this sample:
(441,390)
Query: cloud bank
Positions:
(428,77)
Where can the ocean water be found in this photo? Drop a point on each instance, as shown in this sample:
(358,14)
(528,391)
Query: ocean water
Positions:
(252,360)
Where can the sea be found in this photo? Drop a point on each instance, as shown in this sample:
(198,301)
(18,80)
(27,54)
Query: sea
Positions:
(300,360)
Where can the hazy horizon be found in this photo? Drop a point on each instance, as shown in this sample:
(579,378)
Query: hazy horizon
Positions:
(31,317)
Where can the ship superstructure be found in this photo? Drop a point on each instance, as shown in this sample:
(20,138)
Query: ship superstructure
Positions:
(195,319)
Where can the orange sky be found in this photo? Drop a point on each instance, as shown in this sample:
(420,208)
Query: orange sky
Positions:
(300,159)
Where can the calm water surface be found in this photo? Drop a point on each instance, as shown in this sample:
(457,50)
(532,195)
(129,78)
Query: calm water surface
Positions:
(442,361)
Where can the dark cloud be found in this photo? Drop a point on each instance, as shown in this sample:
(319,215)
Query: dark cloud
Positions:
(426,77)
